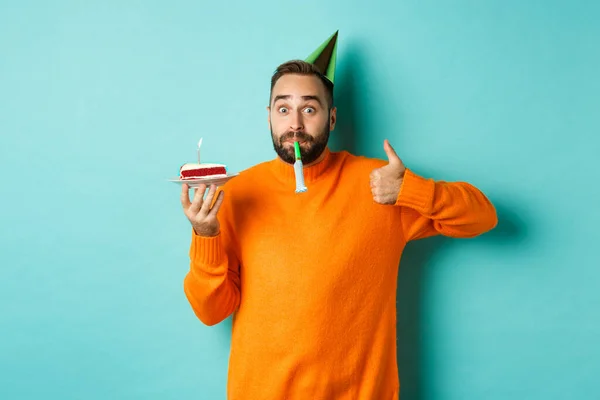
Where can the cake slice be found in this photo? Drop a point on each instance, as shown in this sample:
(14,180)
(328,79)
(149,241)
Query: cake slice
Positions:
(195,170)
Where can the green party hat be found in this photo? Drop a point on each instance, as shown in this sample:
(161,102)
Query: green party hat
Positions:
(324,57)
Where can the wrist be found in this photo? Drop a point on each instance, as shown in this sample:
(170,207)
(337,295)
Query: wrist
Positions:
(205,232)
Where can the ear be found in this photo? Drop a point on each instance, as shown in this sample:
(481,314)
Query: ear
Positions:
(332,118)
(269,114)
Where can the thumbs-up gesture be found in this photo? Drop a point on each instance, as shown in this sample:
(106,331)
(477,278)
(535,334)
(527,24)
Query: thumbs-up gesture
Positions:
(386,181)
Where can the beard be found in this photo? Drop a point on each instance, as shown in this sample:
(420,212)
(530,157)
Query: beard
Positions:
(310,150)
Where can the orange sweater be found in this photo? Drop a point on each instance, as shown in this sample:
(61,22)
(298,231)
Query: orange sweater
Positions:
(311,278)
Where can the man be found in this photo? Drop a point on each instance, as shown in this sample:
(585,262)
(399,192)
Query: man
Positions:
(310,278)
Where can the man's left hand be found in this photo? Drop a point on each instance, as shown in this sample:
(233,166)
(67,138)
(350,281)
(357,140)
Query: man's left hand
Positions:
(387,180)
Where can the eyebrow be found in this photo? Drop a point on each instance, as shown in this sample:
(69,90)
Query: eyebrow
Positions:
(287,97)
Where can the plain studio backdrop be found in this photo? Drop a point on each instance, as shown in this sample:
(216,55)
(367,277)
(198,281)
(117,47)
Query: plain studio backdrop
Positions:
(101,102)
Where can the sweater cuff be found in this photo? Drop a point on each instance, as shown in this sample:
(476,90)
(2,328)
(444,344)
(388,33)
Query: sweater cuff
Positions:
(415,191)
(207,250)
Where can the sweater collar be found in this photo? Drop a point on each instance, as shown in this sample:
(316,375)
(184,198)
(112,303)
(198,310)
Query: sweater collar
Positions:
(285,171)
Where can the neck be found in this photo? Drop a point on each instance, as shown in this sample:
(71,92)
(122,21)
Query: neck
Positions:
(311,171)
(318,160)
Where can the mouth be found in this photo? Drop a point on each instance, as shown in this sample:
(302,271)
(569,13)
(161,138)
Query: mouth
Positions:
(291,141)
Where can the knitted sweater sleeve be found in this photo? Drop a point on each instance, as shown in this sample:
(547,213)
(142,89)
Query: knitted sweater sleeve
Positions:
(212,285)
(454,209)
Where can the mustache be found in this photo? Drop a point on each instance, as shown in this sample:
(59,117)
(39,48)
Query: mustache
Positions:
(300,135)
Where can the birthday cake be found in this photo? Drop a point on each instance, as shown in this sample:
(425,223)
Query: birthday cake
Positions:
(195,171)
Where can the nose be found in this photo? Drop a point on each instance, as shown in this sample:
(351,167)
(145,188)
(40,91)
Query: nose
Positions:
(296,122)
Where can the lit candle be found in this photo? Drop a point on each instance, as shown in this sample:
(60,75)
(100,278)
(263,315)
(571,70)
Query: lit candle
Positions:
(199,144)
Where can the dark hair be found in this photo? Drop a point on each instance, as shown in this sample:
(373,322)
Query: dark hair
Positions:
(302,68)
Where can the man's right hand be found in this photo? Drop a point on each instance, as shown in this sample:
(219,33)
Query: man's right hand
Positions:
(199,212)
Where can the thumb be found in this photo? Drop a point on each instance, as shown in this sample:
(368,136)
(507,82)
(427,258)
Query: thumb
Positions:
(391,153)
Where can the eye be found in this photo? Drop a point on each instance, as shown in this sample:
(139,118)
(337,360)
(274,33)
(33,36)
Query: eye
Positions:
(283,109)
(309,110)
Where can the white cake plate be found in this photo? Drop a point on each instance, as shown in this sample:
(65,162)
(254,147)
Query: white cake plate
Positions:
(219,181)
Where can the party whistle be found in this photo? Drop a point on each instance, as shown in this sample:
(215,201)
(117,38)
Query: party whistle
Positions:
(298,170)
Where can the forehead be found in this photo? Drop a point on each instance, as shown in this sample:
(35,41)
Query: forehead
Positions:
(298,86)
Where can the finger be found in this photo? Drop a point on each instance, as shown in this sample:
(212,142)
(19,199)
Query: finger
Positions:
(374,177)
(209,198)
(376,173)
(215,209)
(185,196)
(391,153)
(198,196)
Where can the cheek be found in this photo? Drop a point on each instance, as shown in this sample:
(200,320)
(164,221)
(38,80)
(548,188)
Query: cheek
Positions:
(316,125)
(278,125)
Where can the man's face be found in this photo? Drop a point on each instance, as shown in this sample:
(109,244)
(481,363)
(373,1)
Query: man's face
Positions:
(299,112)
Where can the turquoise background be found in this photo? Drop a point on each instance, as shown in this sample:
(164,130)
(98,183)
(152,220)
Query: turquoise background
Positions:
(100,103)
